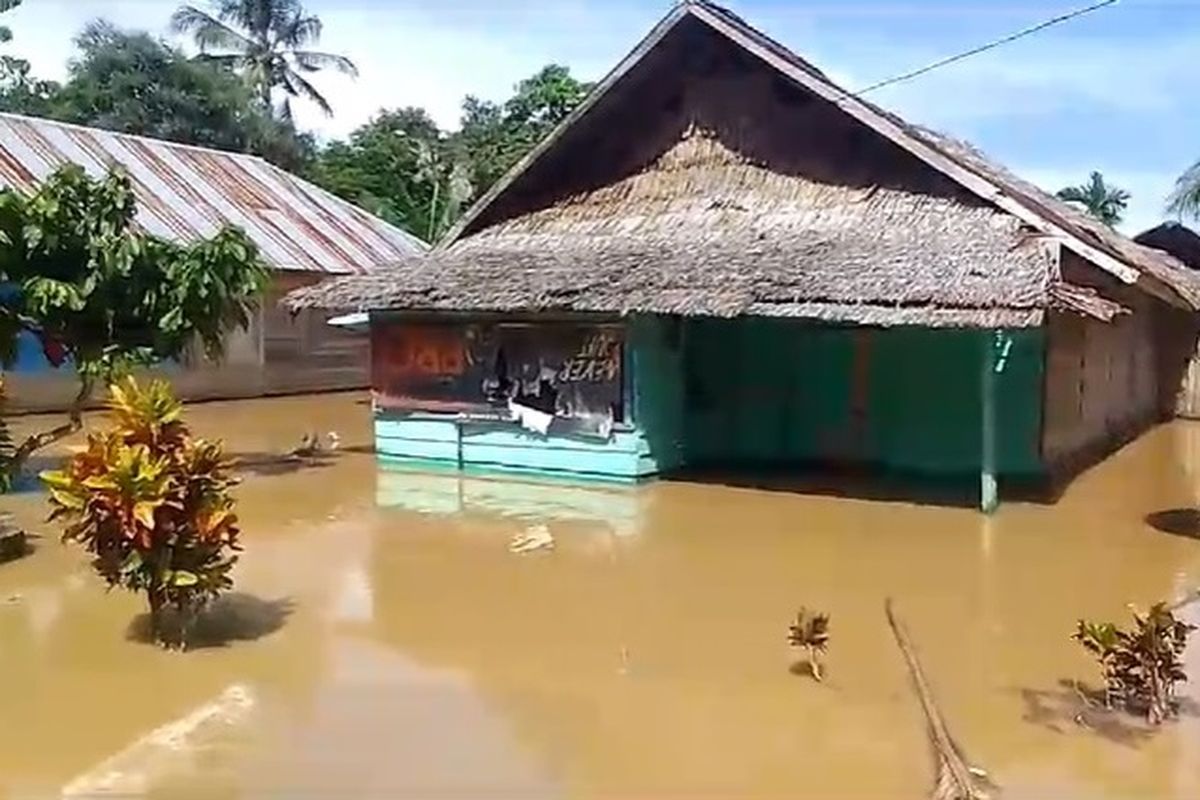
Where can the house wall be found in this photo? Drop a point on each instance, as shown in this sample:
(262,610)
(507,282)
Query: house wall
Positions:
(302,352)
(277,354)
(1102,384)
(648,442)
(763,391)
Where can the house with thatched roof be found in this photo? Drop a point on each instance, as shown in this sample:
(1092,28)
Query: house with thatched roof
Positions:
(721,256)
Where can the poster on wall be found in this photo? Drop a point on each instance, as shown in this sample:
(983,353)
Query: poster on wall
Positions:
(565,376)
(430,367)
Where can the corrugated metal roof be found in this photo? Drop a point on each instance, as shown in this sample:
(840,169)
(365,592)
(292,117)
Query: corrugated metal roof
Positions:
(187,192)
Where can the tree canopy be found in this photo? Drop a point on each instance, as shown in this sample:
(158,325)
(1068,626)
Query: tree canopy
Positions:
(1104,202)
(98,292)
(132,82)
(403,168)
(266,42)
(400,165)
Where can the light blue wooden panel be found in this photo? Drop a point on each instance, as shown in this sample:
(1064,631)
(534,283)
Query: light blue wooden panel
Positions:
(538,458)
(418,448)
(508,435)
(432,430)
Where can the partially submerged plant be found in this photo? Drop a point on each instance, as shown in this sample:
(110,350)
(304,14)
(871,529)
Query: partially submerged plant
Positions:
(810,632)
(1141,666)
(152,504)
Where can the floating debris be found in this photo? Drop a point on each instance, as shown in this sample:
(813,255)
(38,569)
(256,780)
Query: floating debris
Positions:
(956,780)
(535,538)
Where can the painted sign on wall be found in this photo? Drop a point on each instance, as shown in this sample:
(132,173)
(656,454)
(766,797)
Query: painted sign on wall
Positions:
(568,370)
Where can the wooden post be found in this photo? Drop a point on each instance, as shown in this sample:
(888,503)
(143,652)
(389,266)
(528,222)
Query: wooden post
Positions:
(989,498)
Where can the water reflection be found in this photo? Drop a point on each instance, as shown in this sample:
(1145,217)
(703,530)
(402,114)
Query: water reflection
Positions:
(615,510)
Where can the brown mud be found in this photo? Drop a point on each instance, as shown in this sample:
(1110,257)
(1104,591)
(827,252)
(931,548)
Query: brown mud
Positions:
(383,640)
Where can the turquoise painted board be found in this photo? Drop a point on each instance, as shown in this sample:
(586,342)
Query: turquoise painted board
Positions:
(779,391)
(504,446)
(655,364)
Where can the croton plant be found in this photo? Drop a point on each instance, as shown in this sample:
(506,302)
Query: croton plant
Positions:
(152,504)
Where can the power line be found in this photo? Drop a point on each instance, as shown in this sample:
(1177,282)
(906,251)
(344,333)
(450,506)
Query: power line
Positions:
(1021,34)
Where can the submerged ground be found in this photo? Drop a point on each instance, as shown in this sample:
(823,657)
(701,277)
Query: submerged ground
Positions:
(384,643)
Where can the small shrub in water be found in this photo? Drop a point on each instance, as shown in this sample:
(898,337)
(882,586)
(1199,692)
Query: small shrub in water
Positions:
(151,503)
(1141,666)
(811,632)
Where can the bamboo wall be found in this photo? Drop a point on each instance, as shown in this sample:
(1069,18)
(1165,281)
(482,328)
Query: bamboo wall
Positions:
(1102,383)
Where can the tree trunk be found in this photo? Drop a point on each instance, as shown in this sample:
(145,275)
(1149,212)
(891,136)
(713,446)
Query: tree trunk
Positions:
(74,422)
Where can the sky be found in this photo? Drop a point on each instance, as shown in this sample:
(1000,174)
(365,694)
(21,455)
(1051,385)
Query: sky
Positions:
(1113,91)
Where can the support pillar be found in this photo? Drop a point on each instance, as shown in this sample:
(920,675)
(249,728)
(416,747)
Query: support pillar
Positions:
(989,498)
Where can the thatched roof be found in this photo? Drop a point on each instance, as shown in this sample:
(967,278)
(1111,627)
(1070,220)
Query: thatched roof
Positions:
(1174,238)
(716,173)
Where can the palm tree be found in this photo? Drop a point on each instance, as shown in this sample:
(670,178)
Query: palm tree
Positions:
(264,40)
(1185,199)
(1105,203)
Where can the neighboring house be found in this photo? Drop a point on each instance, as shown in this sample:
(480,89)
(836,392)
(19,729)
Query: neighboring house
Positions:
(304,233)
(722,257)
(1183,243)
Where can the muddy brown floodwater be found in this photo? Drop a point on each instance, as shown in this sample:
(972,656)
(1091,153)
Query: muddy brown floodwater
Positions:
(384,643)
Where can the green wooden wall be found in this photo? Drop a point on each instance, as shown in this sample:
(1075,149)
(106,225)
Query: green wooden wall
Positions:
(909,399)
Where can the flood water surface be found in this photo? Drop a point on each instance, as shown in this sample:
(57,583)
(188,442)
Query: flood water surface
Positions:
(384,641)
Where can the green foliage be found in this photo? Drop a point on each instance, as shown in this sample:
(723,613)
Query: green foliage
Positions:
(265,41)
(19,91)
(1105,203)
(5,6)
(135,83)
(810,631)
(108,295)
(495,137)
(151,504)
(401,167)
(1141,666)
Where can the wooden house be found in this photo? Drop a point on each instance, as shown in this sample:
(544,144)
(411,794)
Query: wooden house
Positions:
(1183,243)
(305,235)
(721,257)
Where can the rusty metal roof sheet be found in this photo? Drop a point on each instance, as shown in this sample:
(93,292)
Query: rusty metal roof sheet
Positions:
(186,192)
